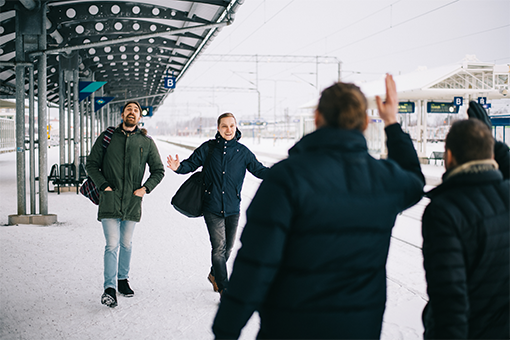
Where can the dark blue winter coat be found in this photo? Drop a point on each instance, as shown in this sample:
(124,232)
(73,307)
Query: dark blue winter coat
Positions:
(466,244)
(314,248)
(224,175)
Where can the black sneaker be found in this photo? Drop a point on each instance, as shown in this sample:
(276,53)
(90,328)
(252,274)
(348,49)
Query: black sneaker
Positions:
(213,282)
(124,289)
(109,298)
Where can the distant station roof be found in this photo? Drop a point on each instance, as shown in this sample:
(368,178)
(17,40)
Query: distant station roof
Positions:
(132,45)
(471,78)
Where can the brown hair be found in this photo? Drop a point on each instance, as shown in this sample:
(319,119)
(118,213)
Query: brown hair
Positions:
(470,140)
(224,115)
(133,102)
(343,106)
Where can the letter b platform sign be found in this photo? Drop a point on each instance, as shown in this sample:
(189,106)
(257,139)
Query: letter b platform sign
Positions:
(170,83)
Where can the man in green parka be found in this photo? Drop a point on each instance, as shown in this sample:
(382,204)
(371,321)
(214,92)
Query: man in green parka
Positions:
(117,169)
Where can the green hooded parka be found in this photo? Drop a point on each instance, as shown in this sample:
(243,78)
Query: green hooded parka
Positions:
(121,167)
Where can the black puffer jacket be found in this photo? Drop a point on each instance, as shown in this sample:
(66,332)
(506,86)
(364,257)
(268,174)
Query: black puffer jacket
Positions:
(225,173)
(466,242)
(315,244)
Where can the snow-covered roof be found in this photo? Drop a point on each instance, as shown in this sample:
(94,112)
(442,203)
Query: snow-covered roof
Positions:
(468,79)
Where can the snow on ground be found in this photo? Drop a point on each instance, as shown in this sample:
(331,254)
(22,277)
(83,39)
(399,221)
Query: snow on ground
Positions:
(51,277)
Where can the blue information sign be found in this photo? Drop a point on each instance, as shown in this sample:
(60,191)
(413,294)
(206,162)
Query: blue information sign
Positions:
(169,82)
(457,101)
(482,100)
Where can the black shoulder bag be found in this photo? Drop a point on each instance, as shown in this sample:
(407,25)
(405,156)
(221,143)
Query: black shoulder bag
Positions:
(88,188)
(188,200)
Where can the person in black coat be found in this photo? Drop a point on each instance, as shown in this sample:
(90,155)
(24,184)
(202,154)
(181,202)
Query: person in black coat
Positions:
(224,176)
(466,238)
(315,244)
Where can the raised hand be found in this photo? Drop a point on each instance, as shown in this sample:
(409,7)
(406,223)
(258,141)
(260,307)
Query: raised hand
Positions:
(389,109)
(477,111)
(173,163)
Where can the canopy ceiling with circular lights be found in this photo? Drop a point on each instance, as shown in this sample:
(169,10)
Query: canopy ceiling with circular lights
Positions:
(132,46)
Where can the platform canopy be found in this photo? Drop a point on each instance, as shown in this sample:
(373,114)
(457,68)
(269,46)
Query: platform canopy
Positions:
(132,46)
(469,80)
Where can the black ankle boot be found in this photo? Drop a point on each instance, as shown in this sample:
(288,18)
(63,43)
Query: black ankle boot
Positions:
(124,289)
(109,298)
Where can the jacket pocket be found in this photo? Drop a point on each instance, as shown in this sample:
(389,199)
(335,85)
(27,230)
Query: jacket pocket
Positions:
(107,202)
(134,208)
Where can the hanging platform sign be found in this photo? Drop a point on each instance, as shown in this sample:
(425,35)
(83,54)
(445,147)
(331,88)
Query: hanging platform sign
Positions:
(99,102)
(86,88)
(442,108)
(405,107)
(458,101)
(169,82)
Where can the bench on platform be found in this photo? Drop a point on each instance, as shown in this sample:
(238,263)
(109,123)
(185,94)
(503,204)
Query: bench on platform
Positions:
(53,177)
(65,175)
(437,156)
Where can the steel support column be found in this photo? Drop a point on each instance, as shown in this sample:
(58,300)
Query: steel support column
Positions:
(43,139)
(31,133)
(61,116)
(20,139)
(42,117)
(69,117)
(76,124)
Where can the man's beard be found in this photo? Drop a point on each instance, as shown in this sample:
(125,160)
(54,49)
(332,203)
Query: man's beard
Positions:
(129,123)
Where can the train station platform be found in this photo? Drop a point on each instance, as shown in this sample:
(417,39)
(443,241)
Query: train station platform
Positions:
(51,277)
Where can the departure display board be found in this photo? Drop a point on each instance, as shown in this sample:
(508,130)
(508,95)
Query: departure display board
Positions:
(442,108)
(405,107)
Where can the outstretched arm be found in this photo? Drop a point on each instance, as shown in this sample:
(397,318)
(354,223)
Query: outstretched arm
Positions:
(173,163)
(501,151)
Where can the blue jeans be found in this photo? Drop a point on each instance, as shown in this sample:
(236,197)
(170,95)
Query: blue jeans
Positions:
(117,233)
(222,233)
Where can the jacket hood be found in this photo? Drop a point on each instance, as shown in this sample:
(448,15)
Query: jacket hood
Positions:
(331,138)
(236,138)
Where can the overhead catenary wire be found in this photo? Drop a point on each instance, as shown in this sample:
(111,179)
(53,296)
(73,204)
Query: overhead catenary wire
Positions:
(350,25)
(434,43)
(393,26)
(265,22)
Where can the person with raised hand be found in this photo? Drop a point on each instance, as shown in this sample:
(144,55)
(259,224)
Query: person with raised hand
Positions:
(223,177)
(315,244)
(466,236)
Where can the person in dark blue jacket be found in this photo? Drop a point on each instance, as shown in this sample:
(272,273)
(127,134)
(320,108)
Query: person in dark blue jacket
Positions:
(466,237)
(314,248)
(224,176)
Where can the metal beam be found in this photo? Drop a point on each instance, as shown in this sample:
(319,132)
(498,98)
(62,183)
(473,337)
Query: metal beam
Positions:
(128,39)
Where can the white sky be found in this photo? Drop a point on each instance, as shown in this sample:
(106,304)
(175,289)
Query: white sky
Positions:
(369,37)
